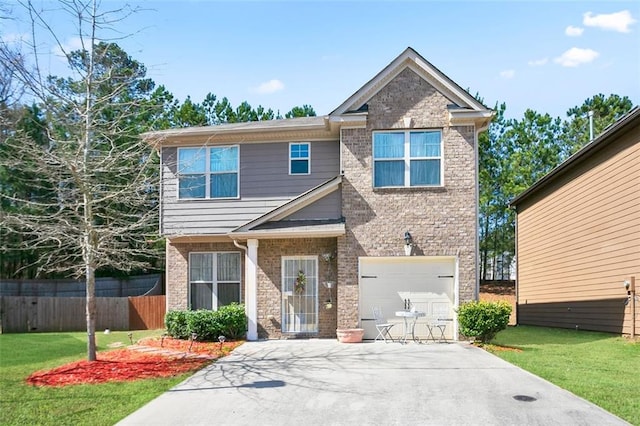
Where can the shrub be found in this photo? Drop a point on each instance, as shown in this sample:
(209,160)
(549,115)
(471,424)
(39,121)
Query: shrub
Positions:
(233,321)
(176,324)
(483,320)
(229,321)
(204,323)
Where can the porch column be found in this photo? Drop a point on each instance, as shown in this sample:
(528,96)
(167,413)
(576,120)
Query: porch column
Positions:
(251,288)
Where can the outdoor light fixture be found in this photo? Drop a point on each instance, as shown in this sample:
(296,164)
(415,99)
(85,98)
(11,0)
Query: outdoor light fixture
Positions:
(407,238)
(408,243)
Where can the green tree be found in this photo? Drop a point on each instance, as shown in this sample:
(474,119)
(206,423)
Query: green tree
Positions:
(189,114)
(494,171)
(535,149)
(19,258)
(515,153)
(605,111)
(303,111)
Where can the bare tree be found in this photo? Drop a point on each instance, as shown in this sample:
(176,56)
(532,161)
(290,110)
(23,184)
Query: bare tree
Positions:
(83,188)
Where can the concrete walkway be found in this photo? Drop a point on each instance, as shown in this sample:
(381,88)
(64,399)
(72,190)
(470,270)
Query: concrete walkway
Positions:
(323,382)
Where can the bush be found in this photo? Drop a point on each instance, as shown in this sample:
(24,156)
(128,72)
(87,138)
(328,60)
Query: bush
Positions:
(233,321)
(229,321)
(205,324)
(483,320)
(176,324)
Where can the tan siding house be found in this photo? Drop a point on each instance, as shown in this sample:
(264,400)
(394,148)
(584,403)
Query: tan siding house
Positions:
(578,236)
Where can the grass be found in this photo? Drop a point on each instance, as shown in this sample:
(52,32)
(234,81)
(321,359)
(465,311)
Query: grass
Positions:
(599,367)
(102,404)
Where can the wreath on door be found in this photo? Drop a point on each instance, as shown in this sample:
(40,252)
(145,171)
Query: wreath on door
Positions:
(301,282)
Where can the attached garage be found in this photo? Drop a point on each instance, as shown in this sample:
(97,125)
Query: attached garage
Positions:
(429,282)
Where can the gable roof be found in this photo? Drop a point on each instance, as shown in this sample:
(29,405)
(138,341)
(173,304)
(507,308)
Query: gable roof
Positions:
(465,105)
(268,221)
(465,110)
(611,133)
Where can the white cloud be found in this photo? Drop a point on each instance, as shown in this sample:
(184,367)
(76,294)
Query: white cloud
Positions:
(572,31)
(538,62)
(72,44)
(507,74)
(576,56)
(14,38)
(618,21)
(268,87)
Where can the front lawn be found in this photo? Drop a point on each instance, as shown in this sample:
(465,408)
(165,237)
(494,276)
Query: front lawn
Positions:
(600,367)
(97,404)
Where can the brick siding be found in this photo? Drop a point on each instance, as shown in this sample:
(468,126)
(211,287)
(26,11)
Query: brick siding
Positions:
(177,273)
(269,301)
(442,221)
(270,253)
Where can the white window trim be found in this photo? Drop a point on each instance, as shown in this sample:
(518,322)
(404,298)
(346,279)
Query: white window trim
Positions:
(207,173)
(407,159)
(215,281)
(317,296)
(308,158)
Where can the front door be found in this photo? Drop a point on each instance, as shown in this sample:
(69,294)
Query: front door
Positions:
(300,294)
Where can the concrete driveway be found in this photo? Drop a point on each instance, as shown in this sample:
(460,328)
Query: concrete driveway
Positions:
(323,382)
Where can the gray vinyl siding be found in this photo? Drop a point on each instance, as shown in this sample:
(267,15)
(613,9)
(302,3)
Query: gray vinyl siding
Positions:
(265,184)
(264,169)
(328,207)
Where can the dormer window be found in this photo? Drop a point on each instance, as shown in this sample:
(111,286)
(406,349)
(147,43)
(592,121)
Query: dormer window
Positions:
(208,172)
(299,159)
(407,158)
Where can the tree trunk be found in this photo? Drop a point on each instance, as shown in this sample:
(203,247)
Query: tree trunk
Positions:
(91,313)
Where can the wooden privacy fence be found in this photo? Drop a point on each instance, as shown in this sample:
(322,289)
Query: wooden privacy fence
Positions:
(22,314)
(146,312)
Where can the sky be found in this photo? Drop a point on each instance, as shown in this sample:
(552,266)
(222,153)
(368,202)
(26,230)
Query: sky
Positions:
(546,56)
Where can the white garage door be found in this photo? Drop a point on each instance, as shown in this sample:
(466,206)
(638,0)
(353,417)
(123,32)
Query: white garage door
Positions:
(428,282)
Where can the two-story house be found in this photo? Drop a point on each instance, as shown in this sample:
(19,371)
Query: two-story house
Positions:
(310,222)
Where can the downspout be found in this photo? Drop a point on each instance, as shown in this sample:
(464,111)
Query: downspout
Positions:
(244,248)
(476,290)
(250,282)
(517,268)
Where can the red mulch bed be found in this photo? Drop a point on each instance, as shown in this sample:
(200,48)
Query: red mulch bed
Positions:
(121,365)
(212,349)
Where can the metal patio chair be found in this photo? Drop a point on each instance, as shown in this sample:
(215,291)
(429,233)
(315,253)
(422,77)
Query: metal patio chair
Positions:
(382,325)
(437,325)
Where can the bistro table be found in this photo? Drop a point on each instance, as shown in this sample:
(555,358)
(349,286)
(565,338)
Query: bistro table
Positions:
(406,315)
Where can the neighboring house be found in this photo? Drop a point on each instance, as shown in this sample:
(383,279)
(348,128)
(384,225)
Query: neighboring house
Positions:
(269,213)
(578,235)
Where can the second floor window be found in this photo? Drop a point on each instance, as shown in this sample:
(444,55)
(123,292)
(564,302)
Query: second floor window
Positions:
(299,158)
(407,158)
(208,172)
